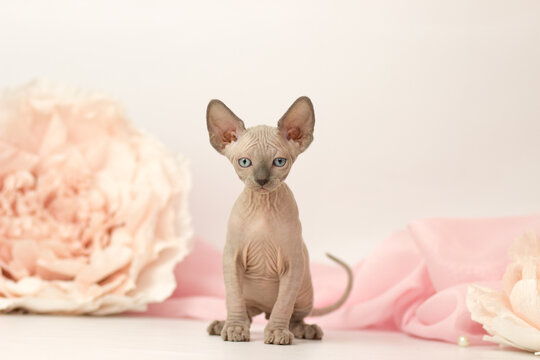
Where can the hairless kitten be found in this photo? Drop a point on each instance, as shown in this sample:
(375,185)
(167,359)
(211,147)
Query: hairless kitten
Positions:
(265,260)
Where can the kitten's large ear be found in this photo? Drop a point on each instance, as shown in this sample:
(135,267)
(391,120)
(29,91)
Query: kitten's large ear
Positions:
(298,122)
(223,126)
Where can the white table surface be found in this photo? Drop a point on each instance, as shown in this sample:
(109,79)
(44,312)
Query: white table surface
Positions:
(53,337)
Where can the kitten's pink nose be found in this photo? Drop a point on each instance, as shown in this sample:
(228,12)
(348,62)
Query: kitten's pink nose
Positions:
(262,182)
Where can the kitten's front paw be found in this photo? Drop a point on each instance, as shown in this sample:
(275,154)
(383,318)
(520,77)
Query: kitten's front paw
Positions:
(278,336)
(235,332)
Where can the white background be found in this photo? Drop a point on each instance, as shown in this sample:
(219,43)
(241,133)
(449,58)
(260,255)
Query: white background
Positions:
(423,108)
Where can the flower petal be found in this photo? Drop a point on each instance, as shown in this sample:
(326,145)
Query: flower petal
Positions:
(525,301)
(103,263)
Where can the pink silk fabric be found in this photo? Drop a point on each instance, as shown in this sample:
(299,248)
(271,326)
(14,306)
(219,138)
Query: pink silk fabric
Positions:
(415,281)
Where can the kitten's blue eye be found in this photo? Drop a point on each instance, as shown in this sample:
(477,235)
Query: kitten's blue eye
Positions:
(280,162)
(244,162)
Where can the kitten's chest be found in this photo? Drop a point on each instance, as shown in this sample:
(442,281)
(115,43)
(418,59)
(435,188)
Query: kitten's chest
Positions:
(265,230)
(263,259)
(263,241)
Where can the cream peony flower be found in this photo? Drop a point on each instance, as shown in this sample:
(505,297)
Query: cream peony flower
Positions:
(93,214)
(512,317)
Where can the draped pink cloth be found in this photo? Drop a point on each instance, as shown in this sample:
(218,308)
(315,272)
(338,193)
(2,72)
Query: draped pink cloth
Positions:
(415,281)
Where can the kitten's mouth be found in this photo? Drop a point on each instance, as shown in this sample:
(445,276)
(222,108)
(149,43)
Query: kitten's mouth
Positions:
(264,189)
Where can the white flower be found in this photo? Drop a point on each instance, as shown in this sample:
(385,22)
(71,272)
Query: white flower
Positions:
(512,317)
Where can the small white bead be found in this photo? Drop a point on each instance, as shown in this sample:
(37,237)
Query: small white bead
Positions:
(463,341)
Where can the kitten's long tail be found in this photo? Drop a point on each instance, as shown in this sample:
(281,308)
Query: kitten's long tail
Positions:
(343,298)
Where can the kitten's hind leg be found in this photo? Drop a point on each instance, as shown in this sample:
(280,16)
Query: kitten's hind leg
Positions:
(302,308)
(301,330)
(215,327)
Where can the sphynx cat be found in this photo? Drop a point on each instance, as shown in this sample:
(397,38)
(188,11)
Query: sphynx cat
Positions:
(265,260)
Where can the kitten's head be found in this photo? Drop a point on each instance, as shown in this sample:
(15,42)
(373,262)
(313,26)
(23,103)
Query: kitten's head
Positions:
(262,155)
